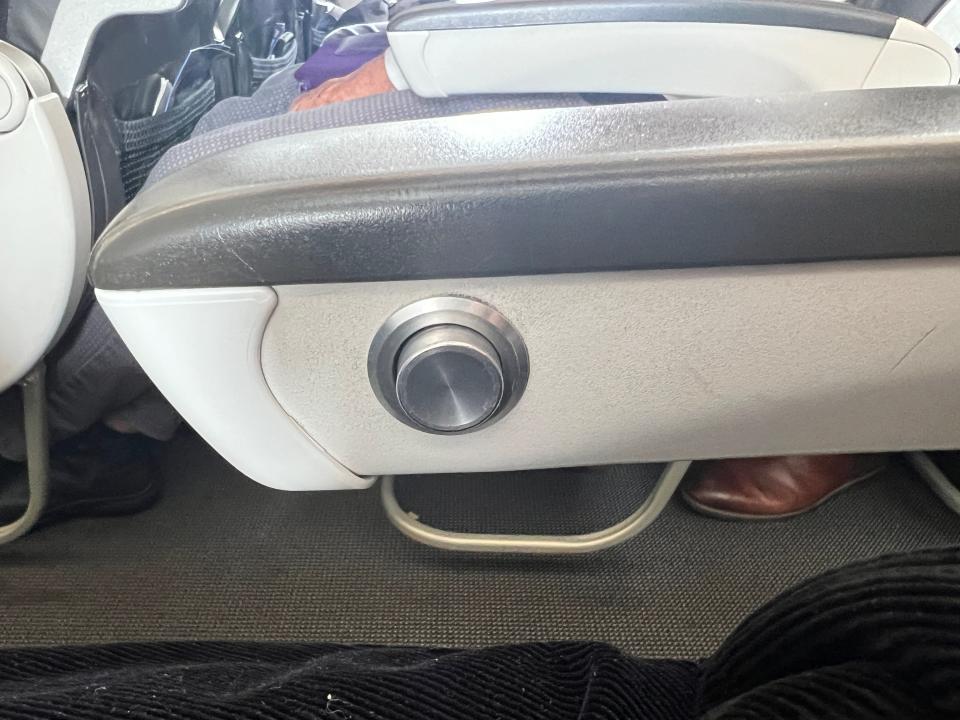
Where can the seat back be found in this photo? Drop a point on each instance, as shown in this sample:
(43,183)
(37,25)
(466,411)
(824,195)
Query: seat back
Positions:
(44,193)
(46,216)
(60,183)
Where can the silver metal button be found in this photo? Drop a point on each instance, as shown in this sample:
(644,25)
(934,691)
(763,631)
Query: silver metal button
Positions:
(449,378)
(448,365)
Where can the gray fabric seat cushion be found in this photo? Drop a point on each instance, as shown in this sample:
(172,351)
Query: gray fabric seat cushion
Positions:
(242,120)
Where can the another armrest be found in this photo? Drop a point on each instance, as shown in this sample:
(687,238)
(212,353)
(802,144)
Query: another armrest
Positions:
(699,48)
(734,181)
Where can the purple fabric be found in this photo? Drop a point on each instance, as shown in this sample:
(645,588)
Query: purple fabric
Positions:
(336,61)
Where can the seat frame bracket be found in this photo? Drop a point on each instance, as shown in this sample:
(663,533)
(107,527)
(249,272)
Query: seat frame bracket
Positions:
(938,482)
(652,506)
(37,437)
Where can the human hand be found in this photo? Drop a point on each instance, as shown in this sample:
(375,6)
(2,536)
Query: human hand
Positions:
(369,79)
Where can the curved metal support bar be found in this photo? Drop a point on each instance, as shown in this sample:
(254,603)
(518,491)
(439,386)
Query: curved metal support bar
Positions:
(651,508)
(939,483)
(38,454)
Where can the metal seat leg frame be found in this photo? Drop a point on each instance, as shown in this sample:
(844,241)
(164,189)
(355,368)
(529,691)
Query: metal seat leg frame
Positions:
(654,504)
(38,454)
(939,483)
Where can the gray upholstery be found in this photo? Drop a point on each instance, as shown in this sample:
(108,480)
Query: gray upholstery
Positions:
(91,376)
(238,121)
(273,97)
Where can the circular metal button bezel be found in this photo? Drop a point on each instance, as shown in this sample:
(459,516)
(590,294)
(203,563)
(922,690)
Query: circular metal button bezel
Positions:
(448,310)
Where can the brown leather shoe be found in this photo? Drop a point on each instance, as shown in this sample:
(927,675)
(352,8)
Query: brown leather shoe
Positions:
(773,488)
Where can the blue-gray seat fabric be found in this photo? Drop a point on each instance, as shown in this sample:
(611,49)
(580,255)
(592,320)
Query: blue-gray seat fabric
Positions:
(238,121)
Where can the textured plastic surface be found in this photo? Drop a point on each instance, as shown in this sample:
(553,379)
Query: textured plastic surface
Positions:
(867,174)
(651,366)
(202,350)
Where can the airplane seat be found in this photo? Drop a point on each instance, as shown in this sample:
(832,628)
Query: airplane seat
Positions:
(764,264)
(70,160)
(759,48)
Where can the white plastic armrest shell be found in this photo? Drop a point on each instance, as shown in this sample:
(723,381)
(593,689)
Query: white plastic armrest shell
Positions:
(687,58)
(207,364)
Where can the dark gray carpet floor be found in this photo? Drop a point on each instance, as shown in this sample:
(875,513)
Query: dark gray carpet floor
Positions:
(223,558)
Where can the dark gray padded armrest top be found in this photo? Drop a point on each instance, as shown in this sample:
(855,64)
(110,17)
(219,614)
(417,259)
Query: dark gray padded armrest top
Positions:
(835,176)
(815,14)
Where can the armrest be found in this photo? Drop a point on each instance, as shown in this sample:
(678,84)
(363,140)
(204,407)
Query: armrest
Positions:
(668,47)
(731,181)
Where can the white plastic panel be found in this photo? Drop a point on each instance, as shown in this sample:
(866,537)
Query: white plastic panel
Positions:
(45,238)
(202,350)
(676,58)
(651,366)
(913,53)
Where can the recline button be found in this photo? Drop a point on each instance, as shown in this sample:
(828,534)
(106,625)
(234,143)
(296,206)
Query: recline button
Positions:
(449,378)
(447,365)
